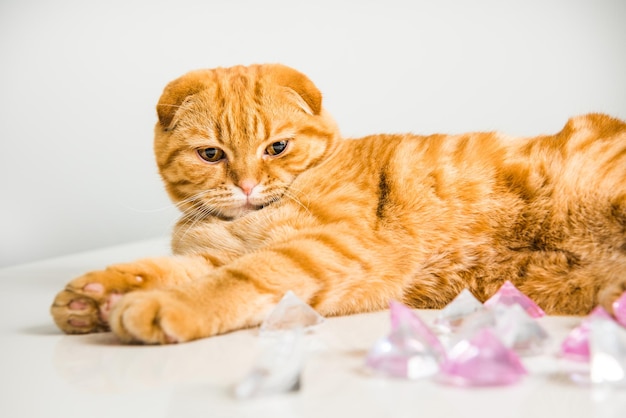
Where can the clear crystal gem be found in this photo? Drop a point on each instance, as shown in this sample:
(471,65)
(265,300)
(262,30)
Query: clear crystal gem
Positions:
(289,313)
(608,352)
(517,330)
(278,368)
(453,315)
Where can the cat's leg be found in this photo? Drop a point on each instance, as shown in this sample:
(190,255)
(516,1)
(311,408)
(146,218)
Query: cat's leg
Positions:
(563,284)
(86,302)
(333,270)
(212,306)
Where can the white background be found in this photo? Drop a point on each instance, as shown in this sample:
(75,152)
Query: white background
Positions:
(79,81)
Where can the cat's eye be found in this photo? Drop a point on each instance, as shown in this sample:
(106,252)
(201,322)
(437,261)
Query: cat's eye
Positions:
(211,155)
(276,148)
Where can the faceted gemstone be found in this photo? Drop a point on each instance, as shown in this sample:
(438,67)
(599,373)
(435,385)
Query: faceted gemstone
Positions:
(619,309)
(481,361)
(517,330)
(576,344)
(470,325)
(608,352)
(403,316)
(402,354)
(289,313)
(508,294)
(410,351)
(278,368)
(452,316)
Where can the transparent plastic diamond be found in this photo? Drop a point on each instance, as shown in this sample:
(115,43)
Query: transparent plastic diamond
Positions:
(403,316)
(410,351)
(289,313)
(278,368)
(452,316)
(402,354)
(470,326)
(608,352)
(482,360)
(576,345)
(517,330)
(508,295)
(619,309)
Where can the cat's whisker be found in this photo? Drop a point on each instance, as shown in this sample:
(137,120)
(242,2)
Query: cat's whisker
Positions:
(300,192)
(154,210)
(191,219)
(193,198)
(177,205)
(294,198)
(201,209)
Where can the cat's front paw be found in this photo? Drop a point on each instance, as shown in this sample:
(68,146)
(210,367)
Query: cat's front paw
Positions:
(157,317)
(86,302)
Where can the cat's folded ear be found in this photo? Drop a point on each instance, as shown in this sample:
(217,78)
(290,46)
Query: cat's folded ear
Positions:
(298,82)
(177,91)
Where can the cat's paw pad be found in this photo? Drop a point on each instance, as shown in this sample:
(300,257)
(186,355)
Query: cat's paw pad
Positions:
(77,312)
(154,317)
(86,302)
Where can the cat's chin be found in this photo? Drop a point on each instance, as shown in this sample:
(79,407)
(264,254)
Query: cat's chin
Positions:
(240,211)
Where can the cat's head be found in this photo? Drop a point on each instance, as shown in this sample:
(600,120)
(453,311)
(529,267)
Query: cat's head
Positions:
(232,140)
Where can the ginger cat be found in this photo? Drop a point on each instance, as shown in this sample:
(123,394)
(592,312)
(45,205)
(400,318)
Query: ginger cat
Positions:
(273,199)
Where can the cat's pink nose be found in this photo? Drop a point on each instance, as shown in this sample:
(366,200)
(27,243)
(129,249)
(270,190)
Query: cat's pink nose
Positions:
(247,186)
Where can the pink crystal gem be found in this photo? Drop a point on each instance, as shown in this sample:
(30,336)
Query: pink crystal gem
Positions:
(619,309)
(410,351)
(401,354)
(508,294)
(403,316)
(481,361)
(576,344)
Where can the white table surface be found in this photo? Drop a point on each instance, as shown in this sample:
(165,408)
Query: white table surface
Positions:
(47,374)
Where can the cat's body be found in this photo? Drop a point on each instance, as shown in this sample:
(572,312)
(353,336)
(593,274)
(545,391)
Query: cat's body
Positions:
(275,200)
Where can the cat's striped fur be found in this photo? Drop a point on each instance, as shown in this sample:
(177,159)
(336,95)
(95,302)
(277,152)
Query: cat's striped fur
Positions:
(274,199)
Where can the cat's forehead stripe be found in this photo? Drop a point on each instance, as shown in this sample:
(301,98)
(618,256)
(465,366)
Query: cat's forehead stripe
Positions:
(200,141)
